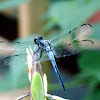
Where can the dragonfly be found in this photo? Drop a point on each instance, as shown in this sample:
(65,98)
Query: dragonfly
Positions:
(68,44)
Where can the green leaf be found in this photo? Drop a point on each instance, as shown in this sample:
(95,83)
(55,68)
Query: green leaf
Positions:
(37,88)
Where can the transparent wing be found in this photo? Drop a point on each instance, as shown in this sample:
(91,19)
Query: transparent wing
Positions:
(15,46)
(74,35)
(72,48)
(22,58)
(63,40)
(60,51)
(7,48)
(20,47)
(17,49)
(14,59)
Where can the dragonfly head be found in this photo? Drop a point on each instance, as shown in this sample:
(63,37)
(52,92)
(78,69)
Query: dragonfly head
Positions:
(37,39)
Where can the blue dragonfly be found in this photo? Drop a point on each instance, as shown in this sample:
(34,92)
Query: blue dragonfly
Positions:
(65,45)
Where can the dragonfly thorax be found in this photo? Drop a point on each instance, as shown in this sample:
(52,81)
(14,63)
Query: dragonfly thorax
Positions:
(43,44)
(46,45)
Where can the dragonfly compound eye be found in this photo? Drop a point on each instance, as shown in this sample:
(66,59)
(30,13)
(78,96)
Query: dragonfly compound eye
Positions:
(41,38)
(36,40)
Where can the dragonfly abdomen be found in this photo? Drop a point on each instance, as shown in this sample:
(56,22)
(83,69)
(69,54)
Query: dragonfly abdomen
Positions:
(52,59)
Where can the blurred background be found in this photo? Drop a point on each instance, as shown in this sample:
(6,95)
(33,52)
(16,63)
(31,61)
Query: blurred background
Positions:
(22,20)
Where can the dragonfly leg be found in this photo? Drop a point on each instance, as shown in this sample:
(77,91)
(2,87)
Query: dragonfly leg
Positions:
(37,50)
(41,53)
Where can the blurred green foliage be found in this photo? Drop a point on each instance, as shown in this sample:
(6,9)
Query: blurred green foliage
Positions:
(69,14)
(89,65)
(96,29)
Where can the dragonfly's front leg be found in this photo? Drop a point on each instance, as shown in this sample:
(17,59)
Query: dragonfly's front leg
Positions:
(41,53)
(37,50)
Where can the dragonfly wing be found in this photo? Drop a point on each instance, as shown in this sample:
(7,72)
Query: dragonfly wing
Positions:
(72,48)
(14,59)
(22,58)
(15,46)
(7,48)
(73,35)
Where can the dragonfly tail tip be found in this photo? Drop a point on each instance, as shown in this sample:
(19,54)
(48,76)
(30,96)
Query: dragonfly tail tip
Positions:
(65,91)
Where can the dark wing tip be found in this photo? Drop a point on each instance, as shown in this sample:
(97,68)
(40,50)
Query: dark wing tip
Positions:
(72,30)
(87,24)
(3,61)
(17,42)
(81,25)
(89,40)
(82,40)
(69,31)
(4,42)
(9,42)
